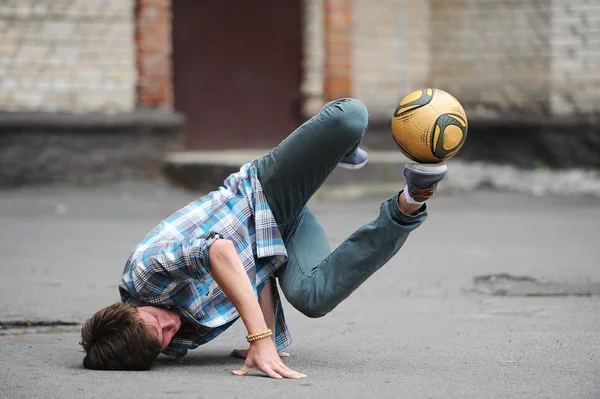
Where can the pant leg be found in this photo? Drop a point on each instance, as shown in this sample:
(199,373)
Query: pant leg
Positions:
(294,170)
(315,281)
(307,246)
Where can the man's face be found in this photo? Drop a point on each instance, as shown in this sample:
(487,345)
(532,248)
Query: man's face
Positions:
(163,322)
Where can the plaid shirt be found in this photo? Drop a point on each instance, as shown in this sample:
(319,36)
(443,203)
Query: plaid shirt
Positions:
(171,268)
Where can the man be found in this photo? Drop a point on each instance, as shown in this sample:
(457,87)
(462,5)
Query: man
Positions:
(219,258)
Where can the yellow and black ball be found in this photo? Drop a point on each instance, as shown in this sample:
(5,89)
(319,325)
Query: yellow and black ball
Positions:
(429,126)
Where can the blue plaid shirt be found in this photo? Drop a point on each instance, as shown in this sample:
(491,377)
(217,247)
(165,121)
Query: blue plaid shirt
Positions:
(170,267)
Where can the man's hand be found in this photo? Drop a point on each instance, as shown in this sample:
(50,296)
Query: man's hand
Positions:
(263,356)
(229,273)
(243,353)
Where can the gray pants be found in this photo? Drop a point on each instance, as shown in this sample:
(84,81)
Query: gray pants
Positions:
(315,280)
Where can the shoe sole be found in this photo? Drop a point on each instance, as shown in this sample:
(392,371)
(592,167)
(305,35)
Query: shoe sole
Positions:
(352,167)
(432,169)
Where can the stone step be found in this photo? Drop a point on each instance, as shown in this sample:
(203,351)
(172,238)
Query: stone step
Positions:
(206,170)
(201,170)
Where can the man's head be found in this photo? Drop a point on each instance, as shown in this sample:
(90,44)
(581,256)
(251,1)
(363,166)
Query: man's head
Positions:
(122,337)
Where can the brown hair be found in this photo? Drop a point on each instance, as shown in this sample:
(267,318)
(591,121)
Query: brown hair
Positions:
(115,338)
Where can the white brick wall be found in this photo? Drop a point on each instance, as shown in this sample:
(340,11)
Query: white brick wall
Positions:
(377,70)
(67,55)
(575,56)
(496,56)
(314,57)
(391,54)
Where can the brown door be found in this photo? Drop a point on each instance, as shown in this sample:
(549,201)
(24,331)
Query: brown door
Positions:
(237,71)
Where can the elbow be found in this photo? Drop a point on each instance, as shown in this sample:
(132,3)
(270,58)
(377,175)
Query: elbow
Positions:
(221,249)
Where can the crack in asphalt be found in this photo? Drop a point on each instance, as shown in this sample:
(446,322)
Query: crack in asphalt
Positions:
(28,323)
(504,284)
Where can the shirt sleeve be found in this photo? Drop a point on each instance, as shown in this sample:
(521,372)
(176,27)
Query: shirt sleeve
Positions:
(161,274)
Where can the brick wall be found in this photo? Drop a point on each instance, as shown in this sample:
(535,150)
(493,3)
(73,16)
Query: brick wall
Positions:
(67,55)
(494,55)
(314,56)
(575,56)
(518,57)
(528,57)
(153,39)
(391,51)
(338,49)
(376,73)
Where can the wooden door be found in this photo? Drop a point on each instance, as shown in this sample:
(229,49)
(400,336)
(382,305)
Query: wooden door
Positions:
(237,71)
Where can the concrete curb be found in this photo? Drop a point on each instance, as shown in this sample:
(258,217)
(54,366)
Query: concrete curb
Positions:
(384,175)
(519,140)
(85,149)
(146,120)
(568,182)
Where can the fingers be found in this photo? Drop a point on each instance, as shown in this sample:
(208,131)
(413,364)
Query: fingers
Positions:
(288,373)
(267,370)
(271,373)
(283,354)
(243,371)
(277,372)
(276,369)
(285,371)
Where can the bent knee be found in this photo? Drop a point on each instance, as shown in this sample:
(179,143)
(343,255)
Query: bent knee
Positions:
(309,309)
(352,119)
(313,312)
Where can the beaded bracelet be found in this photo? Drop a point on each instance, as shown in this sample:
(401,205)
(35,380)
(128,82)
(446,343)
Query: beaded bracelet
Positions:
(260,335)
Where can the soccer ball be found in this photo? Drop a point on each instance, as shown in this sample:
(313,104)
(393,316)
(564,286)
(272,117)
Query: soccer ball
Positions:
(429,126)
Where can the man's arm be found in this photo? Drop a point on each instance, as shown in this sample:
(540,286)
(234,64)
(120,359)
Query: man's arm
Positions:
(267,305)
(228,272)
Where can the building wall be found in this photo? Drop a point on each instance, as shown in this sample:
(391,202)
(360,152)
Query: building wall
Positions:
(494,55)
(575,56)
(377,72)
(518,57)
(313,56)
(67,55)
(154,51)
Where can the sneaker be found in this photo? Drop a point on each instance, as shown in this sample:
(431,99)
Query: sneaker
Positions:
(356,160)
(422,180)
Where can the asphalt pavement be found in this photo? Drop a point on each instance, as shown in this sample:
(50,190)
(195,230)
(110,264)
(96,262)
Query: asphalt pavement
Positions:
(416,329)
